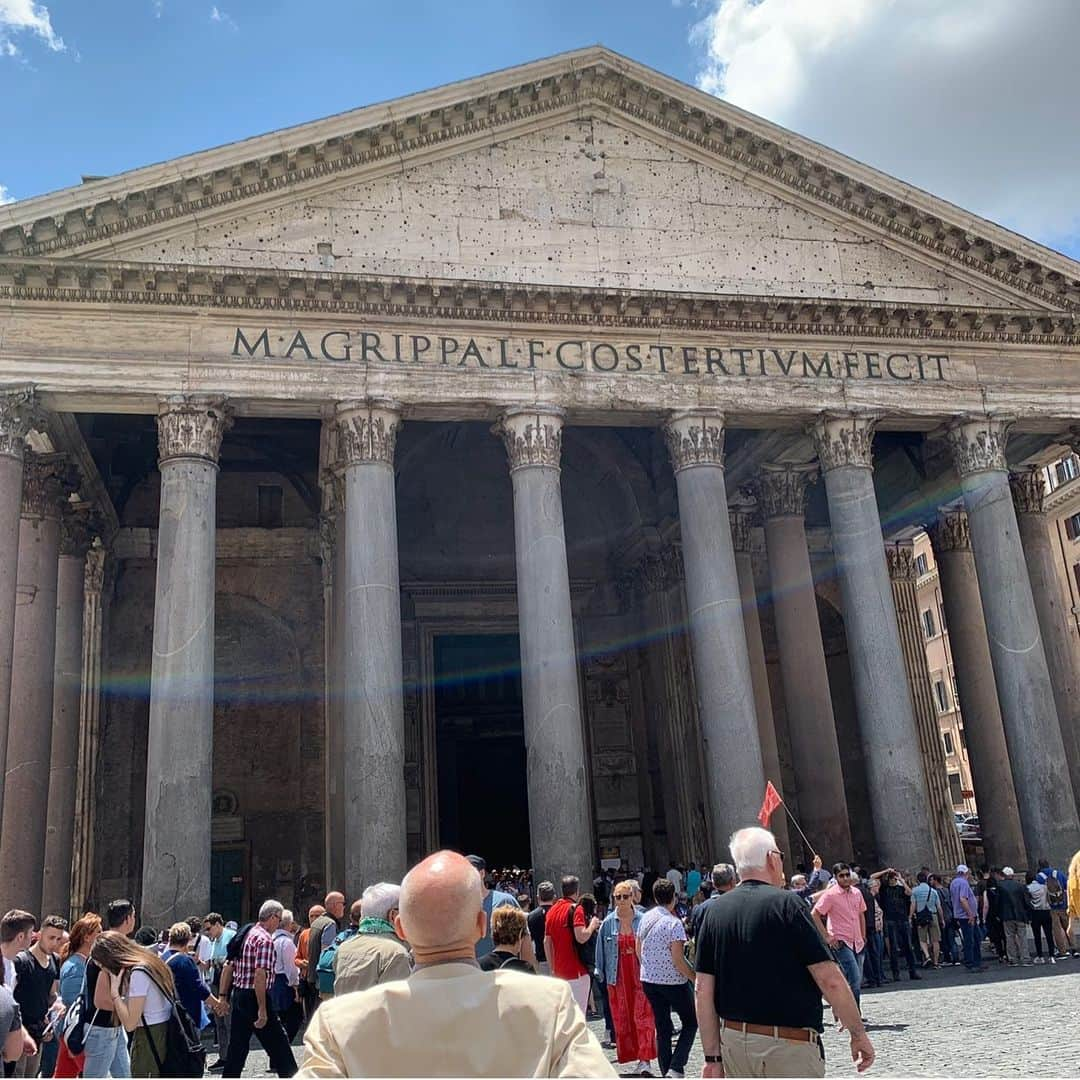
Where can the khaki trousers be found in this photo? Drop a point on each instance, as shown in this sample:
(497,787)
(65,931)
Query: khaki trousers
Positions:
(1060,922)
(762,1055)
(1015,941)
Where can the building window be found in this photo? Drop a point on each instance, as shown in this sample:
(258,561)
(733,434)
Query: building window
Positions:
(928,623)
(1065,470)
(271,509)
(1072,526)
(942,696)
(921,564)
(956,789)
(963,741)
(1076,575)
(946,737)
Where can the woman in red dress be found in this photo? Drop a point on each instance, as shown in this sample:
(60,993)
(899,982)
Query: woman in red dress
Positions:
(617,968)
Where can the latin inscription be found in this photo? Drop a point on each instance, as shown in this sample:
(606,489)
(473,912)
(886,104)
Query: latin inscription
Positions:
(581,355)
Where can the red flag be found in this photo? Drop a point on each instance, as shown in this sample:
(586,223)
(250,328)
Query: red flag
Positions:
(772,801)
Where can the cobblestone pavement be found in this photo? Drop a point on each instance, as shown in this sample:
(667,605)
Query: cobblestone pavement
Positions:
(1004,1022)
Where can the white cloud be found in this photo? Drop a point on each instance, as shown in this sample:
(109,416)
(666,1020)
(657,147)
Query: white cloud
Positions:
(4,196)
(223,17)
(973,100)
(26,16)
(159,8)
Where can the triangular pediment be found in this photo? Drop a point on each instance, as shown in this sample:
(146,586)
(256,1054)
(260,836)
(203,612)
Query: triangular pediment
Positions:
(585,202)
(585,169)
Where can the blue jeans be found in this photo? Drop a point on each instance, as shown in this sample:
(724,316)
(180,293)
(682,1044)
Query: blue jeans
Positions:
(970,935)
(106,1052)
(948,941)
(875,955)
(49,1052)
(851,964)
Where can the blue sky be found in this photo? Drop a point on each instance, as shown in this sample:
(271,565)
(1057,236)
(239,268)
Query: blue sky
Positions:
(971,100)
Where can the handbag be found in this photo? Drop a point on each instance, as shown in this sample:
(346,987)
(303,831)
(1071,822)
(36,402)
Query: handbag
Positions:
(926,916)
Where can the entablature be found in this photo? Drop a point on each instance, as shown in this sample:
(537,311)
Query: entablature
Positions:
(326,292)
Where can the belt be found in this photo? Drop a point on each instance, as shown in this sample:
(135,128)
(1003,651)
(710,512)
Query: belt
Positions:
(792,1034)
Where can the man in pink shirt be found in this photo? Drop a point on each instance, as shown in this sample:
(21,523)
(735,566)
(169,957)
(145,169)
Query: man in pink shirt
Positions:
(840,914)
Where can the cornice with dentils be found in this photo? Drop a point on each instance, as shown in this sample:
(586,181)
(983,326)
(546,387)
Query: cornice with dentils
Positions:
(181,286)
(102,212)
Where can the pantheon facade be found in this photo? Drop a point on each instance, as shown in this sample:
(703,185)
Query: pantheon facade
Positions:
(528,466)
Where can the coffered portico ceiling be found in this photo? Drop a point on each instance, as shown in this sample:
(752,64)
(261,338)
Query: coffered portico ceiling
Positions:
(584,190)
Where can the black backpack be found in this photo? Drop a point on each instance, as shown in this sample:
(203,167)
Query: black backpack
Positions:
(185,1054)
(586,950)
(236,943)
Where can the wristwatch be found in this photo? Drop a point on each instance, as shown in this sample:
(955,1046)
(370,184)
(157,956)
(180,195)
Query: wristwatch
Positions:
(713,1059)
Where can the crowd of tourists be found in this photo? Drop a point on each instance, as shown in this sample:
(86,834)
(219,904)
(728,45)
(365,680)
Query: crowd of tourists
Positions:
(736,956)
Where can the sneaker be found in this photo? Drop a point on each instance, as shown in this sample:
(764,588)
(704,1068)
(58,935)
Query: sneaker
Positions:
(218,1066)
(608,1044)
(676,1072)
(1039,960)
(643,1069)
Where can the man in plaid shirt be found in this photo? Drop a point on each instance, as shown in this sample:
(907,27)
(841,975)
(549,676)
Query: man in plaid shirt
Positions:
(245,982)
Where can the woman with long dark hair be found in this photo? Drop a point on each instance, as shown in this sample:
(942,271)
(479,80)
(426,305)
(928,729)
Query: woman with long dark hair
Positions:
(142,992)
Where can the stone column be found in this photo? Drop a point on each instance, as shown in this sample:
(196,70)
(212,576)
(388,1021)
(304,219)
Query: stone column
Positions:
(179,771)
(559,805)
(901,559)
(735,776)
(26,793)
(984,731)
(372,712)
(742,538)
(899,800)
(16,412)
(97,590)
(814,748)
(331,527)
(1036,750)
(1037,540)
(75,535)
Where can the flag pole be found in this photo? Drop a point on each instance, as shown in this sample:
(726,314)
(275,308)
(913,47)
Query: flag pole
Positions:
(791,818)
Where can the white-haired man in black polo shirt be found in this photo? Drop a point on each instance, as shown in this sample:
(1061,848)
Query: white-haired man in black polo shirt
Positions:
(762,968)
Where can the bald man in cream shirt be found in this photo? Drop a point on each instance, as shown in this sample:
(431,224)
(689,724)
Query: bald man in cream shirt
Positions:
(449,1018)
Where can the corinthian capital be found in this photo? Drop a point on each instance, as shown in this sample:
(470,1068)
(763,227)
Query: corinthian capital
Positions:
(950,532)
(743,516)
(532,436)
(1028,490)
(901,559)
(844,439)
(781,489)
(695,438)
(191,426)
(366,432)
(978,443)
(17,409)
(47,481)
(77,529)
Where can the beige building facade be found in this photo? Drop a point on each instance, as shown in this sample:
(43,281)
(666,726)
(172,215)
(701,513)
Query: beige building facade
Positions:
(530,466)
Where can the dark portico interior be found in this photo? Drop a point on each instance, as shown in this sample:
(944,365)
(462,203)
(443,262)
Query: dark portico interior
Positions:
(456,550)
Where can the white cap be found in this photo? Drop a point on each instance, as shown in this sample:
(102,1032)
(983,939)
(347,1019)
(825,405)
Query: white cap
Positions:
(962,869)
(1008,871)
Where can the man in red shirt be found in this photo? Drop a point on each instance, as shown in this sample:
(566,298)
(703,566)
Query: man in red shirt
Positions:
(565,926)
